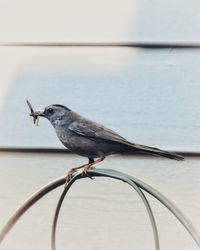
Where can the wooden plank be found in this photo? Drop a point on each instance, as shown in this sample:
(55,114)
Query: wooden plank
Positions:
(148,96)
(100,21)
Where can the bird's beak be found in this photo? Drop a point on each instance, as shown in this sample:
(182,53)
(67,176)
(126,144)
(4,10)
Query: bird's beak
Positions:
(37,113)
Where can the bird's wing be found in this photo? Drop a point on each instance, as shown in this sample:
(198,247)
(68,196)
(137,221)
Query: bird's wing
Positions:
(95,131)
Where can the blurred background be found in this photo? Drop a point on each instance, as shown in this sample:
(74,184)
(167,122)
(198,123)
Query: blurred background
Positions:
(130,65)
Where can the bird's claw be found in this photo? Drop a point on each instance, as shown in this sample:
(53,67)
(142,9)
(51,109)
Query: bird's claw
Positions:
(73,171)
(85,171)
(69,175)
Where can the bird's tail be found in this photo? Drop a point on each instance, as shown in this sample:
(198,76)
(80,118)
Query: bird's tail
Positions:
(155,151)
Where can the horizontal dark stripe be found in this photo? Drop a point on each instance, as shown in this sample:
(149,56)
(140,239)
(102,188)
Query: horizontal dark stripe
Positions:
(34,150)
(150,45)
(64,151)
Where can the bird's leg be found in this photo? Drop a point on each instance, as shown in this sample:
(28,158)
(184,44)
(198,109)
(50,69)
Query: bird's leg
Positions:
(91,164)
(91,160)
(85,167)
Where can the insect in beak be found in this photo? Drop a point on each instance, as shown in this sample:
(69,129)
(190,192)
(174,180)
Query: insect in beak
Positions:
(34,114)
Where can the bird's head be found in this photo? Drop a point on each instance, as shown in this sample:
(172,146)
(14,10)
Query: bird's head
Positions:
(57,114)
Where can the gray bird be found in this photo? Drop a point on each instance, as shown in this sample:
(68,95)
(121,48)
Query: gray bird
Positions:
(90,139)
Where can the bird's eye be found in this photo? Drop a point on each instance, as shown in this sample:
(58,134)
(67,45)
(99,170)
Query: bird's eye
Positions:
(50,111)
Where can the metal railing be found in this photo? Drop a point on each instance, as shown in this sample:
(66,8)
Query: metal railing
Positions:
(138,185)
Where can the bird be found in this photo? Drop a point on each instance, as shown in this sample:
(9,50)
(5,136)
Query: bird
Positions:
(91,139)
